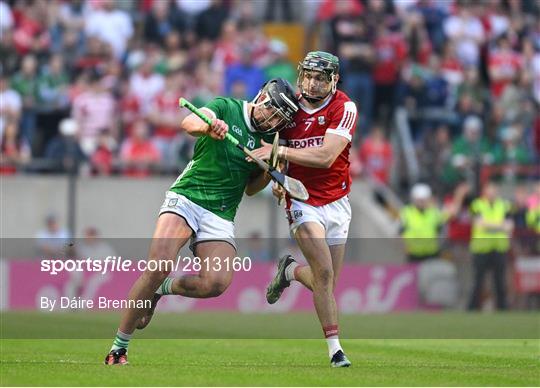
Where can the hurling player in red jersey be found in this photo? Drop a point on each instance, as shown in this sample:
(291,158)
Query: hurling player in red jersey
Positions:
(317,153)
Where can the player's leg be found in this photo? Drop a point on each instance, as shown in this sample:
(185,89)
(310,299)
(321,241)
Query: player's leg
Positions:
(211,281)
(338,253)
(170,234)
(311,238)
(303,273)
(214,276)
(214,238)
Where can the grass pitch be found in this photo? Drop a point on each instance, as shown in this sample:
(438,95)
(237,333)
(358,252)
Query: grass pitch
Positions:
(157,360)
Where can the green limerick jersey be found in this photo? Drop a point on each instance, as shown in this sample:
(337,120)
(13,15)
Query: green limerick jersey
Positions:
(216,177)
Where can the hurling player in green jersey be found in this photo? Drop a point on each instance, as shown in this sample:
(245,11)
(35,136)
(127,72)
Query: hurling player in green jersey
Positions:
(201,204)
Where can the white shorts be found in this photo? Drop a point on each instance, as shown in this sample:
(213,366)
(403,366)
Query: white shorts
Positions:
(206,225)
(334,217)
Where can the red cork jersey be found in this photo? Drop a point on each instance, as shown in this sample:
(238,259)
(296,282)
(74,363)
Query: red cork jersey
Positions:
(337,116)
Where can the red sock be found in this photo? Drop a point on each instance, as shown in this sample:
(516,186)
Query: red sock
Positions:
(330,331)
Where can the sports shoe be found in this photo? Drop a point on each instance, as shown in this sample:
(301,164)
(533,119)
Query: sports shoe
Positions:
(340,360)
(145,320)
(117,357)
(279,283)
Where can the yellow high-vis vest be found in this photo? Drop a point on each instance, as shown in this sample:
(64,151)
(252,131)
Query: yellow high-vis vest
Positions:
(421,230)
(533,218)
(484,240)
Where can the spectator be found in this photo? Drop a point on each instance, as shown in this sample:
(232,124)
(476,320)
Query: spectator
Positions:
(14,149)
(165,116)
(6,17)
(163,19)
(227,47)
(272,5)
(11,106)
(417,39)
(94,110)
(434,14)
(53,98)
(209,85)
(111,25)
(510,152)
(9,57)
(209,22)
(245,71)
(25,83)
(52,242)
(452,70)
(63,153)
(94,56)
(465,30)
(376,156)
(390,52)
(354,45)
(31,34)
(435,97)
(533,216)
(174,56)
(138,154)
(93,246)
(421,223)
(490,243)
(102,160)
(130,108)
(146,84)
(278,64)
(434,153)
(472,96)
(504,65)
(469,152)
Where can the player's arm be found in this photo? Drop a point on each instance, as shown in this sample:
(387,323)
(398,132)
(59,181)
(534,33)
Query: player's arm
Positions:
(336,138)
(257,181)
(193,125)
(318,157)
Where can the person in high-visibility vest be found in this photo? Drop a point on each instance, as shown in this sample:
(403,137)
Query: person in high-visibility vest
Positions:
(422,220)
(532,218)
(490,242)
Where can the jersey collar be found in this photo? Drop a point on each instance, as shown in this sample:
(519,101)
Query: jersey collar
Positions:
(246,116)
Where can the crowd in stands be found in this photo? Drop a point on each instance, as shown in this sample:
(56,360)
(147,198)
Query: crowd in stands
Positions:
(95,83)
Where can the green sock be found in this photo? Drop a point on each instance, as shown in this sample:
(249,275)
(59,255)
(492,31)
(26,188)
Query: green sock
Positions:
(166,287)
(121,340)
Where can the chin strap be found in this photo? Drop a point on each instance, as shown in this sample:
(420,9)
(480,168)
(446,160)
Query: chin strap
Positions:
(313,100)
(252,120)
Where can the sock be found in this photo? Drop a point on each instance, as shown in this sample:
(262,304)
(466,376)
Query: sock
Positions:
(166,287)
(121,340)
(331,334)
(289,271)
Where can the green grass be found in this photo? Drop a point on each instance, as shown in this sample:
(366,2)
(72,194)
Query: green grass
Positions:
(200,361)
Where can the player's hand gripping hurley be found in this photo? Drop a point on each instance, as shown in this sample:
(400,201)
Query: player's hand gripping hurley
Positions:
(293,187)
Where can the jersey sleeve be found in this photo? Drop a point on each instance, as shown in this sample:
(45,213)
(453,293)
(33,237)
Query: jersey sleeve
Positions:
(343,122)
(216,108)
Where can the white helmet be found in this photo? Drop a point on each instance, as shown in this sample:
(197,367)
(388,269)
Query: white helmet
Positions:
(420,191)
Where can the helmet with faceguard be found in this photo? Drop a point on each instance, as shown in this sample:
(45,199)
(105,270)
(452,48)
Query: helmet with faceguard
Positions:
(323,62)
(279,103)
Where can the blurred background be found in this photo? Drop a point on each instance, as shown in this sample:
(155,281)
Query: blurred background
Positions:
(448,93)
